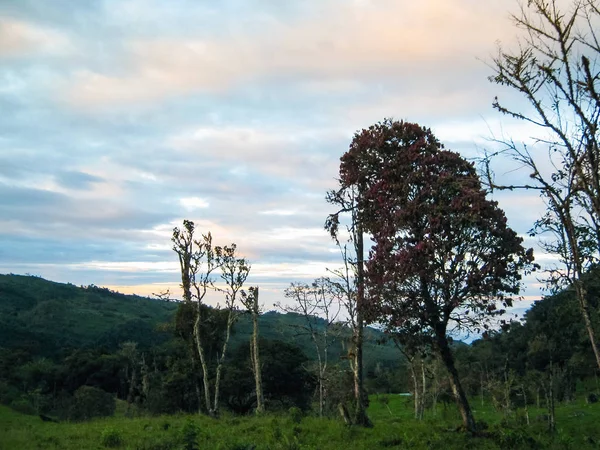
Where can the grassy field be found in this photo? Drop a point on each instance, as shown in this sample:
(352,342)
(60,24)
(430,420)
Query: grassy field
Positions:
(577,428)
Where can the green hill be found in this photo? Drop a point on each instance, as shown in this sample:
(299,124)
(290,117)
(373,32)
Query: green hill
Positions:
(46,318)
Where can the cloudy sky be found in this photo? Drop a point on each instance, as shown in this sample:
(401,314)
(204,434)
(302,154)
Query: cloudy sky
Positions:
(120,118)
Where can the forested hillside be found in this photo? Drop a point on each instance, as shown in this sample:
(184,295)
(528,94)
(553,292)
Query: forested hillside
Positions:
(56,367)
(547,350)
(47,318)
(57,338)
(45,325)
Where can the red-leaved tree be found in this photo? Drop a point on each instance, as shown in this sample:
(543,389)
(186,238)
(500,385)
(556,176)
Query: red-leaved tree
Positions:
(443,255)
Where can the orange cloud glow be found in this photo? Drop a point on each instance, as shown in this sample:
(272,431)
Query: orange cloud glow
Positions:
(354,40)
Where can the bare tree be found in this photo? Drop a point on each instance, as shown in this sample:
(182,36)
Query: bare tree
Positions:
(234,272)
(250,302)
(351,285)
(164,295)
(319,311)
(556,69)
(129,351)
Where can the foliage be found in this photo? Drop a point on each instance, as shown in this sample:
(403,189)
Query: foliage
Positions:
(295,414)
(189,435)
(439,243)
(286,382)
(111,438)
(166,378)
(549,334)
(90,402)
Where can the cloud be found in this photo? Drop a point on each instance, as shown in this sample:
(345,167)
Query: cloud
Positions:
(281,153)
(127,116)
(192,203)
(19,38)
(340,40)
(77,180)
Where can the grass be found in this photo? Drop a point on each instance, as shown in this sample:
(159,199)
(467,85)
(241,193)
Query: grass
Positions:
(394,428)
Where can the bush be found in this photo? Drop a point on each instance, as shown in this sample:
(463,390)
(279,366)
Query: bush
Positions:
(286,382)
(8,393)
(295,414)
(111,438)
(23,406)
(90,402)
(189,436)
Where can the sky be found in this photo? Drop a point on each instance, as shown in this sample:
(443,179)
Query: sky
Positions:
(121,118)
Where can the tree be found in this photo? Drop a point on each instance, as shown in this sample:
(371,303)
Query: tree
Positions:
(199,260)
(319,311)
(556,70)
(130,354)
(90,402)
(351,283)
(443,254)
(234,272)
(250,301)
(286,382)
(212,331)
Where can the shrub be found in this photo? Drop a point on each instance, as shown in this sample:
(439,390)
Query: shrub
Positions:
(23,406)
(190,433)
(295,414)
(90,402)
(8,393)
(111,438)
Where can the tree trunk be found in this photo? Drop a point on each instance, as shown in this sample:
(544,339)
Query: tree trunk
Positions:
(202,363)
(323,373)
(320,364)
(260,406)
(481,387)
(321,395)
(435,393)
(360,415)
(221,360)
(580,291)
(551,403)
(416,398)
(457,389)
(132,383)
(423,391)
(525,402)
(195,371)
(581,296)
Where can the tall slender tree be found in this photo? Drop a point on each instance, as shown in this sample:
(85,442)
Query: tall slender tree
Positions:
(319,310)
(198,261)
(345,199)
(250,302)
(234,272)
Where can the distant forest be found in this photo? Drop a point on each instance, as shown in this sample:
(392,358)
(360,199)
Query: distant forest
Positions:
(67,352)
